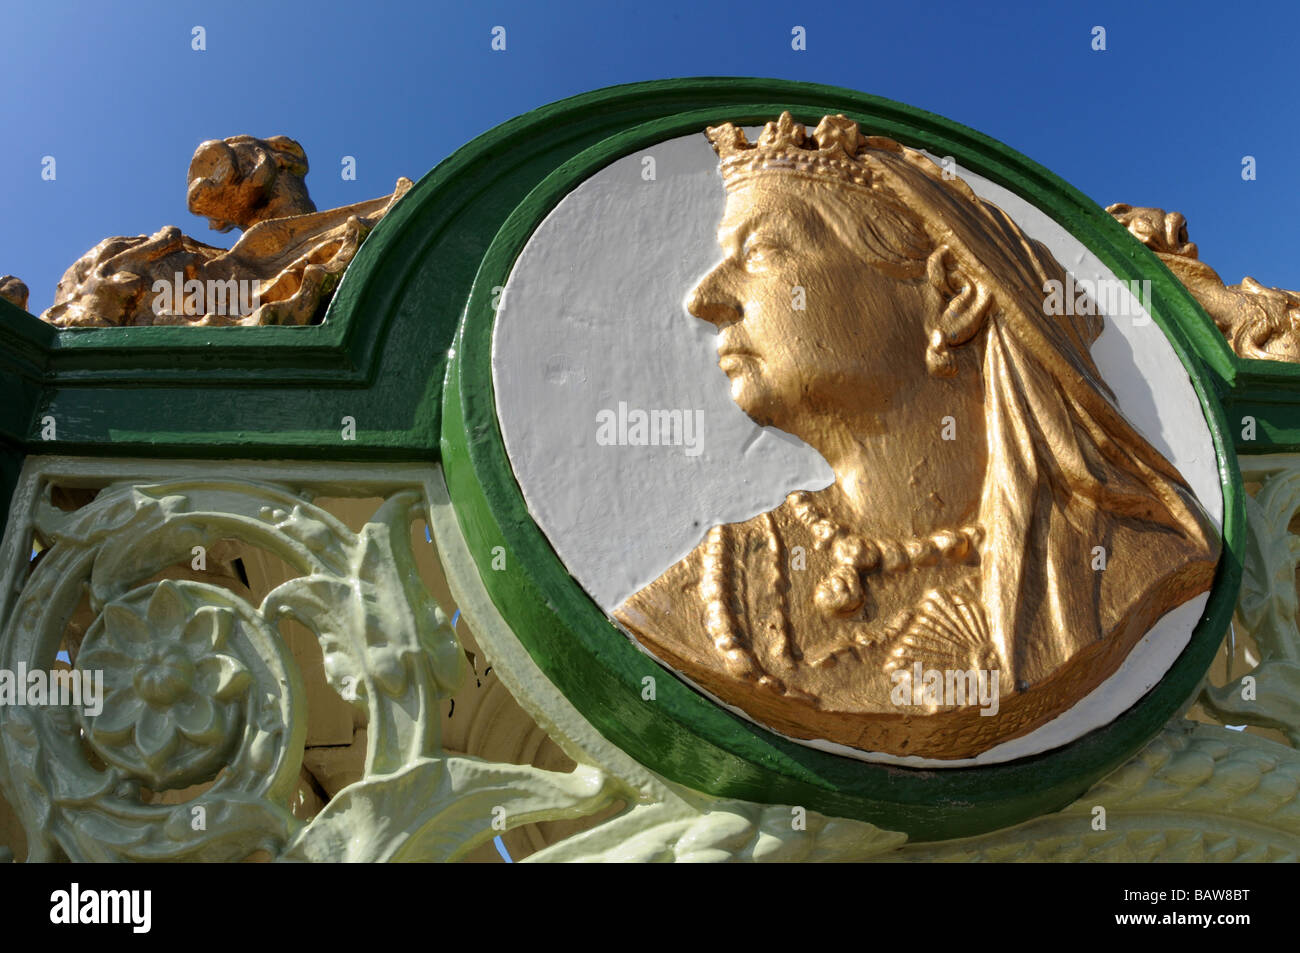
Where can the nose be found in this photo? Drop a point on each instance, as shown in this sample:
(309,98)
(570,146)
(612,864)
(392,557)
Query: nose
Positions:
(711,301)
(212,160)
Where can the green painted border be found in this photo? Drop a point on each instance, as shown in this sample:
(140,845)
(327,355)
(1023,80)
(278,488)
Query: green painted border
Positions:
(681,734)
(380,355)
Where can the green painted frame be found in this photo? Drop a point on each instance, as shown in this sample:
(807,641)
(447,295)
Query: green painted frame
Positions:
(683,735)
(382,352)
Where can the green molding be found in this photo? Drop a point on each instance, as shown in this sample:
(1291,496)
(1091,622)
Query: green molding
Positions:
(424,278)
(682,735)
(380,355)
(23,354)
(1267,391)
(11,465)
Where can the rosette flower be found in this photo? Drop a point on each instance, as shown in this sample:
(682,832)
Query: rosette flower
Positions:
(172,687)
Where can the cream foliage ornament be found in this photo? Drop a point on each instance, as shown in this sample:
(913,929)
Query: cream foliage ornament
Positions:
(200,688)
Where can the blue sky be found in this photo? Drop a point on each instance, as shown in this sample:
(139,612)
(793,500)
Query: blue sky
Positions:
(116,94)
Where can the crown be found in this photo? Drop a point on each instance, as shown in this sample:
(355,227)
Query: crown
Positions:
(835,149)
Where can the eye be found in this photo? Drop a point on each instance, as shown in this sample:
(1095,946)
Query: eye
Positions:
(758,252)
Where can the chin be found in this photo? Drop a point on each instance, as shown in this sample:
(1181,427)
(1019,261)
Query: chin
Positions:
(755,402)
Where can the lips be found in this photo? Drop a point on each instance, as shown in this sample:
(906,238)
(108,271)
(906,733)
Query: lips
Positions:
(732,359)
(732,349)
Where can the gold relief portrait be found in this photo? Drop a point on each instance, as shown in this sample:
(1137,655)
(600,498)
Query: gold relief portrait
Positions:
(887,316)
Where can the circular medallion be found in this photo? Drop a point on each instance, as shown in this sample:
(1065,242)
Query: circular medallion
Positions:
(850,462)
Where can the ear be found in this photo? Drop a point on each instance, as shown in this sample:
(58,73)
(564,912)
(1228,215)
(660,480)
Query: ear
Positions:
(967,300)
(289,154)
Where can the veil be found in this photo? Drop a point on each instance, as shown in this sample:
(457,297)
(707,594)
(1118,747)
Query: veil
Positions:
(1067,473)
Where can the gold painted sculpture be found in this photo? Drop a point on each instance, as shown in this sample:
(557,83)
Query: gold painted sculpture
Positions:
(1258,321)
(979,463)
(283,269)
(14,291)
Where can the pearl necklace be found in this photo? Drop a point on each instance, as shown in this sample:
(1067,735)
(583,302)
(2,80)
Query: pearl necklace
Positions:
(717,590)
(841,593)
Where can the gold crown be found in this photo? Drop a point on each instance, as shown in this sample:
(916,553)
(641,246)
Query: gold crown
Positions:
(836,149)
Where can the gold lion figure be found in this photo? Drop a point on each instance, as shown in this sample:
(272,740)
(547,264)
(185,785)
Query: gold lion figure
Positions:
(283,269)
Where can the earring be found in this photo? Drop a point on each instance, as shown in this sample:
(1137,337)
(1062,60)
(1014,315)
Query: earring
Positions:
(939,359)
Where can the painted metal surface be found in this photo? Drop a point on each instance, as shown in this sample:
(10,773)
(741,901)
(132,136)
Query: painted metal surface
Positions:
(702,784)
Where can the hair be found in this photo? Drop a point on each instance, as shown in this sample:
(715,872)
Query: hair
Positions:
(893,239)
(891,236)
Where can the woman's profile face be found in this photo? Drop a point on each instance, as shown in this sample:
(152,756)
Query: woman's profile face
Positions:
(806,325)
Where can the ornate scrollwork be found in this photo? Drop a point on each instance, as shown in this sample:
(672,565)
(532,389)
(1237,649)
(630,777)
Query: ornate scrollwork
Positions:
(1267,611)
(1196,792)
(177,694)
(199,688)
(197,684)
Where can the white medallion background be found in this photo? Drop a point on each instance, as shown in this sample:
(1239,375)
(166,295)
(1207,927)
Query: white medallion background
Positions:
(594,314)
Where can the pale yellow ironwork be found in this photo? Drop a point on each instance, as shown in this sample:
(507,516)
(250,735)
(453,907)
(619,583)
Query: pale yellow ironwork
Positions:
(1197,792)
